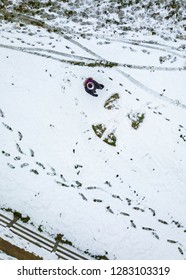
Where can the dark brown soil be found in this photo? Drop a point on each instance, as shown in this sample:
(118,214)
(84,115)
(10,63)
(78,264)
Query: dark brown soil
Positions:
(16,252)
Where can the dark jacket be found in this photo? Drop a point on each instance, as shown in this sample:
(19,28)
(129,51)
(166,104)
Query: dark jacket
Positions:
(91,86)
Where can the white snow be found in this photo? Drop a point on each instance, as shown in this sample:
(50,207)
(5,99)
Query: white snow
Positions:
(4,256)
(132,197)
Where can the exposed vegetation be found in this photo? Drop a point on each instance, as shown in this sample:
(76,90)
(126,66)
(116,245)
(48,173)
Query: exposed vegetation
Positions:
(24,219)
(99,129)
(112,102)
(120,13)
(136,119)
(111,139)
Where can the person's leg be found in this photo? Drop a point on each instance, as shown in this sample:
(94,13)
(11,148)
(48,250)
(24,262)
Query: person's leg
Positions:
(97,85)
(91,92)
(101,86)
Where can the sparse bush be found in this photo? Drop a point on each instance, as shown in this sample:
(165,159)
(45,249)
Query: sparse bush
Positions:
(111,139)
(136,119)
(99,129)
(112,102)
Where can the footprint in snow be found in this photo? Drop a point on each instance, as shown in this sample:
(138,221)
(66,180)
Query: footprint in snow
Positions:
(172,241)
(180,250)
(34,171)
(17,158)
(128,201)
(124,214)
(5,154)
(40,164)
(117,196)
(24,165)
(148,229)
(155,235)
(132,224)
(91,188)
(11,165)
(138,209)
(109,210)
(83,197)
(19,148)
(177,224)
(53,173)
(20,135)
(61,184)
(2,114)
(97,200)
(162,222)
(7,126)
(108,184)
(153,211)
(31,153)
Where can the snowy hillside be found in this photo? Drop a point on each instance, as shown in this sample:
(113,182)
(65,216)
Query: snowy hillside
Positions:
(108,173)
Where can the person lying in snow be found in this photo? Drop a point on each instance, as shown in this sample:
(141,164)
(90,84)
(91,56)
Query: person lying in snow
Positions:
(91,85)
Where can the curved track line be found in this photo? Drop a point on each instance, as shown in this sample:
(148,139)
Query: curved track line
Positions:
(150,46)
(151,91)
(32,50)
(129,77)
(143,43)
(90,61)
(59,30)
(136,82)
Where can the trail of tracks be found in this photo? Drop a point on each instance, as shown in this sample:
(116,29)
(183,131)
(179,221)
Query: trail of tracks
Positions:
(100,61)
(22,231)
(135,81)
(151,91)
(57,246)
(128,206)
(148,44)
(85,61)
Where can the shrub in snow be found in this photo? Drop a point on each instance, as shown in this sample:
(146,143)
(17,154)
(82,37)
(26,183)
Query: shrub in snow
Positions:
(136,119)
(112,102)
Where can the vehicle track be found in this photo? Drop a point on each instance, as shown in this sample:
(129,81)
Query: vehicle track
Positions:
(135,81)
(85,61)
(38,240)
(151,91)
(103,63)
(143,43)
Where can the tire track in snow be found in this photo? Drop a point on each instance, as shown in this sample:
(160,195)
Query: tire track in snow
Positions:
(136,82)
(129,77)
(151,45)
(39,52)
(143,67)
(151,91)
(36,49)
(111,38)
(90,61)
(143,43)
(133,224)
(109,209)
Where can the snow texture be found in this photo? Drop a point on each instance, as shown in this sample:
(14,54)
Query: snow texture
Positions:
(126,201)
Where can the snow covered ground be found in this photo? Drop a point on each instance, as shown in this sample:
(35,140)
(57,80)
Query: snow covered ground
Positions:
(123,201)
(4,256)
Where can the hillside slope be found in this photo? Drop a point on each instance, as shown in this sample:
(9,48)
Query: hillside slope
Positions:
(109,172)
